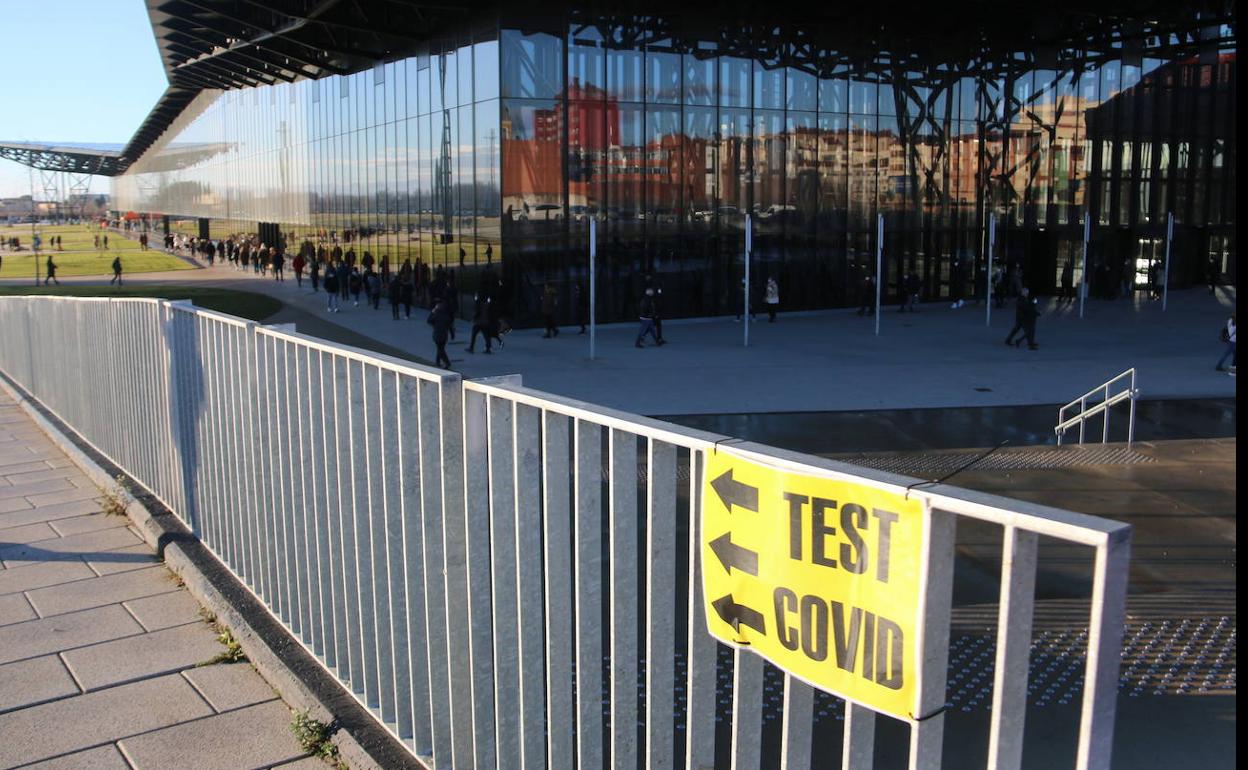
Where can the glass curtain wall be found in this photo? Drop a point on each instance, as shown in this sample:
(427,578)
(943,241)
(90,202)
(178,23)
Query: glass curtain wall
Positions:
(498,149)
(670,144)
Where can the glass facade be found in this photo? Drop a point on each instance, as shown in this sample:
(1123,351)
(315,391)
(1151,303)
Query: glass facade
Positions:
(502,148)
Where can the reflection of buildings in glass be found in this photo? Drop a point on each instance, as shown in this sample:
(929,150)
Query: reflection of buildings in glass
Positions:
(671,148)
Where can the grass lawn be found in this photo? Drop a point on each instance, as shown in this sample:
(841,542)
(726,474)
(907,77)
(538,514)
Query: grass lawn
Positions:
(244,304)
(80,257)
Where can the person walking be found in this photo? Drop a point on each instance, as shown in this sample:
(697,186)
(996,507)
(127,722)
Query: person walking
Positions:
(1020,311)
(331,289)
(51,268)
(394,295)
(440,319)
(116,271)
(355,283)
(1213,273)
(645,314)
(1068,282)
(315,274)
(297,264)
(279,263)
(406,292)
(550,301)
(344,278)
(1031,311)
(909,292)
(957,282)
(582,304)
(372,285)
(1228,337)
(771,297)
(866,296)
(482,320)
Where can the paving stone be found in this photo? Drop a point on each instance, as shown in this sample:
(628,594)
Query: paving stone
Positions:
(65,496)
(109,589)
(47,574)
(86,543)
(257,736)
(28,534)
(100,758)
(90,523)
(15,609)
(37,680)
(13,504)
(36,488)
(122,559)
(27,467)
(72,724)
(142,657)
(15,517)
(165,610)
(72,475)
(228,686)
(65,632)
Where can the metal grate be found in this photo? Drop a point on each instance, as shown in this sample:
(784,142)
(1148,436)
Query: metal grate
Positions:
(1028,459)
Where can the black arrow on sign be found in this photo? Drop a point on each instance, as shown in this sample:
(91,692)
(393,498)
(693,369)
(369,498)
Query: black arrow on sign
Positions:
(735,493)
(733,556)
(737,615)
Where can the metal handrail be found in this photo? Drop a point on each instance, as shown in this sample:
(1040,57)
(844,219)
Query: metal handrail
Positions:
(1108,400)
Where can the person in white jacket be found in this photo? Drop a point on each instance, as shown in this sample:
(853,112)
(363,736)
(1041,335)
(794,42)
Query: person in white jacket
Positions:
(772,299)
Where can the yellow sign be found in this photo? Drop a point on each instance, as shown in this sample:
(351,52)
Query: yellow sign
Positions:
(817,575)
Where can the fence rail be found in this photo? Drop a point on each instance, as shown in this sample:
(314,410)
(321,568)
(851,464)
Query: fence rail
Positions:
(503,577)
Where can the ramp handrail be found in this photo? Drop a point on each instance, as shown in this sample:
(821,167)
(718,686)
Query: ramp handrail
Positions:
(1108,400)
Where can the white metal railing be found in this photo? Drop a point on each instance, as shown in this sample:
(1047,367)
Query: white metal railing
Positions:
(1107,400)
(465,557)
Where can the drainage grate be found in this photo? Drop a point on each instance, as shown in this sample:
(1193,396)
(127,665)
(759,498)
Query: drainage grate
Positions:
(1031,459)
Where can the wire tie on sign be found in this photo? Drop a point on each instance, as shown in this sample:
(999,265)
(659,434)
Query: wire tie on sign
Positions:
(978,458)
(935,713)
(715,446)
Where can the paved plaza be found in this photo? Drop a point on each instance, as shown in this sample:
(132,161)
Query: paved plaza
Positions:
(101,648)
(812,361)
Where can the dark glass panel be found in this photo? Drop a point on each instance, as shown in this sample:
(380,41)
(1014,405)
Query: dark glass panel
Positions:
(663,70)
(625,78)
(700,79)
(586,59)
(735,82)
(532,64)
(803,90)
(768,87)
(485,70)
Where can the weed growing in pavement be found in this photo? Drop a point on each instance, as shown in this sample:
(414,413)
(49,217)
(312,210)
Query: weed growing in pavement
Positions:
(209,617)
(313,737)
(112,503)
(232,653)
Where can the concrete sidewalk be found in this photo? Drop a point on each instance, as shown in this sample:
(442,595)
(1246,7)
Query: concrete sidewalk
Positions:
(817,361)
(100,645)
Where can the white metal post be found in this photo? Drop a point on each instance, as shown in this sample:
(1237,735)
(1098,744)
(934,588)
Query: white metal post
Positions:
(992,238)
(749,245)
(1083,273)
(593,285)
(879,260)
(1165,275)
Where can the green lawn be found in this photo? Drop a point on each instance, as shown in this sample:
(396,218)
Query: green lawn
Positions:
(244,304)
(79,255)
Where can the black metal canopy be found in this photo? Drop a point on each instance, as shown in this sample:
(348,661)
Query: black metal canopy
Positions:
(70,158)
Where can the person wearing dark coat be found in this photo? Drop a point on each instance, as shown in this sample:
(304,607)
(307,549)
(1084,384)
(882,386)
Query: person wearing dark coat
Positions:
(482,323)
(331,289)
(440,319)
(1025,315)
(395,295)
(549,303)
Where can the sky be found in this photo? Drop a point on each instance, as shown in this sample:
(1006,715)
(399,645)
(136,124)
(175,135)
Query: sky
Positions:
(74,71)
